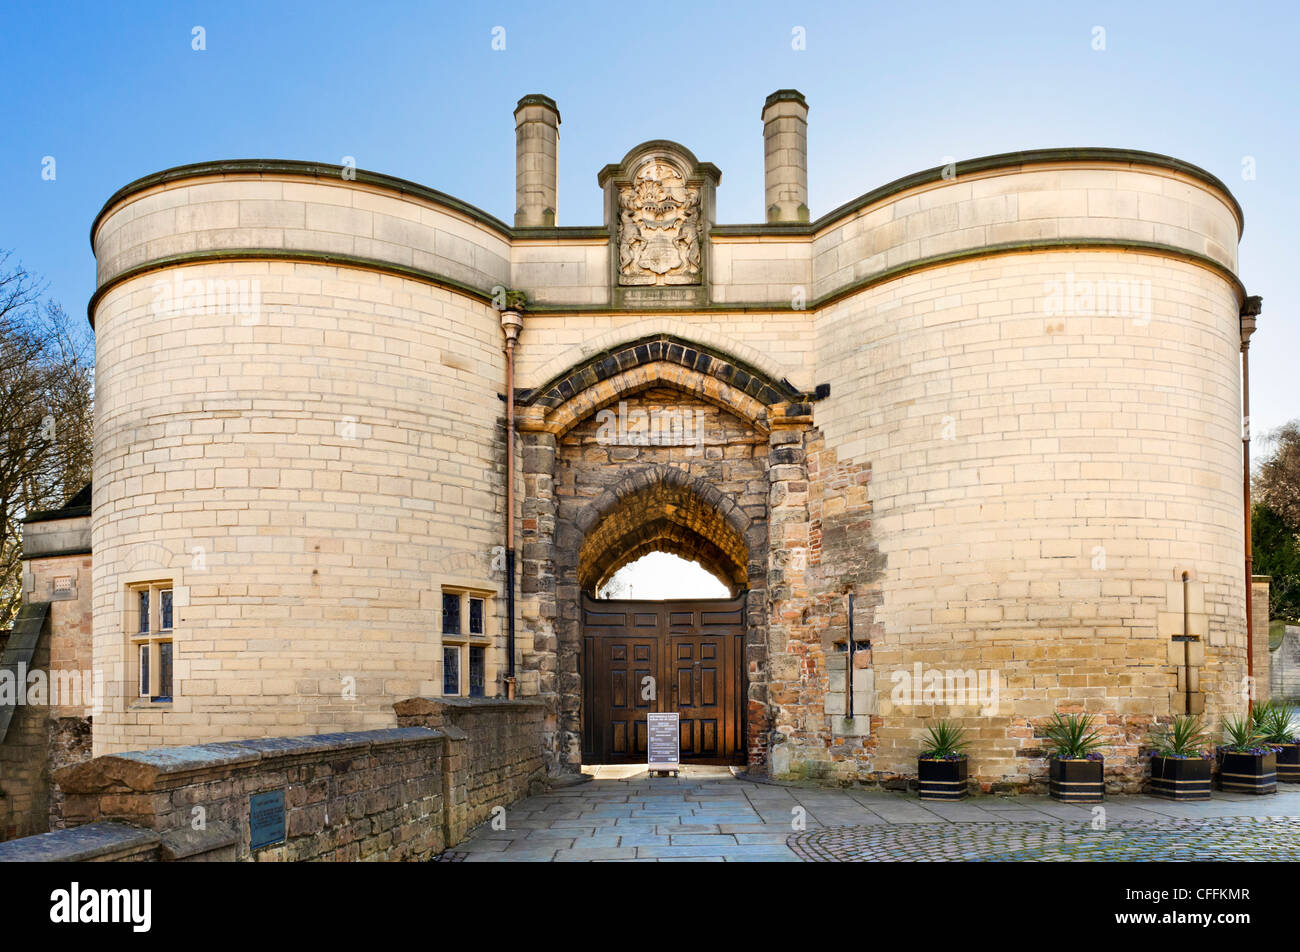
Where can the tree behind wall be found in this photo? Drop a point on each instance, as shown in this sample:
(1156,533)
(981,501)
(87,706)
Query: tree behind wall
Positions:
(1275,520)
(46,416)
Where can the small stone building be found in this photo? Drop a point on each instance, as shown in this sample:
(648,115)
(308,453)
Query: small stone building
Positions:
(993,406)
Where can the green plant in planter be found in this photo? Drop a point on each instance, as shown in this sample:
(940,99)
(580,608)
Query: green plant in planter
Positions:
(1181,767)
(1071,737)
(1247,762)
(1185,738)
(1243,735)
(941,766)
(944,740)
(1075,767)
(1274,722)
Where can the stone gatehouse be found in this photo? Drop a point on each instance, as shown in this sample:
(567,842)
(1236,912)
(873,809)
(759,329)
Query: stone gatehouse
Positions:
(994,406)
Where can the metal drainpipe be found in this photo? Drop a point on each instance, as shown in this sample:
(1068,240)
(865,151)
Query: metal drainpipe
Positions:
(1187,649)
(1250,310)
(512,323)
(848,672)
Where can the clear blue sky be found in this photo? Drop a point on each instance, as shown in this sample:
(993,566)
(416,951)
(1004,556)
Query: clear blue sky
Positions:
(114,92)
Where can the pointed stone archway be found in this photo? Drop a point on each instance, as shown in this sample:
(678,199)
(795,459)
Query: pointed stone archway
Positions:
(593,502)
(683,655)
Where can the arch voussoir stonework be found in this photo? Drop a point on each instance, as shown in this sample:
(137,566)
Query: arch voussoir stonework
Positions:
(663,508)
(633,366)
(667,476)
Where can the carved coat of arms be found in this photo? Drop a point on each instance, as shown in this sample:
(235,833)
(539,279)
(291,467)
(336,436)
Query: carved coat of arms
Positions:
(659,228)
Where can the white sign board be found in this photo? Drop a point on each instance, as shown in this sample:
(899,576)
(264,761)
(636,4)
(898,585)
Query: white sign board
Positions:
(663,741)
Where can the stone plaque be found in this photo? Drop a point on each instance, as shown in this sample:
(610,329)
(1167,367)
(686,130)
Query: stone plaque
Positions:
(659,228)
(663,741)
(265,819)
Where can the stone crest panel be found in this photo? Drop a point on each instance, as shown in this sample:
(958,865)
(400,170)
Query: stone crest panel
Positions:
(659,227)
(659,209)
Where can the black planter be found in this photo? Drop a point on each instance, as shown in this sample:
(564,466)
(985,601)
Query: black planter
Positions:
(943,780)
(1177,779)
(1076,781)
(1288,763)
(1247,773)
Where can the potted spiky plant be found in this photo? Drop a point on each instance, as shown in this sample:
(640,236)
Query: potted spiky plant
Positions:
(941,767)
(1274,720)
(1076,768)
(1180,764)
(1247,764)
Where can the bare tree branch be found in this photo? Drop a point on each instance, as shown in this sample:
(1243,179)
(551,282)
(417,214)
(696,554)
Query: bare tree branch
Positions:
(46,416)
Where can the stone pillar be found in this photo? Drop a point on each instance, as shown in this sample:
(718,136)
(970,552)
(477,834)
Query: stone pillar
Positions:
(794,655)
(1263,676)
(785,156)
(537,135)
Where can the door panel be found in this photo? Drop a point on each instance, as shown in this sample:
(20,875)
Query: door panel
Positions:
(692,652)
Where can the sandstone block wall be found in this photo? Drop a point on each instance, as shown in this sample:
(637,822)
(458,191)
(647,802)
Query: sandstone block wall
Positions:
(1262,657)
(497,759)
(1040,479)
(308,476)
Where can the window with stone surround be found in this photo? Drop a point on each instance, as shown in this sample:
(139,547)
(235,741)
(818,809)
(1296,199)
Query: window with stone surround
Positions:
(149,620)
(466,620)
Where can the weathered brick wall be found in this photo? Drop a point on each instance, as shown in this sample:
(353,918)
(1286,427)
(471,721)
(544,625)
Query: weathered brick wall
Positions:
(824,552)
(497,757)
(372,795)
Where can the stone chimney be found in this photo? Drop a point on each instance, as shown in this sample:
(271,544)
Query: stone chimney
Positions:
(537,134)
(785,156)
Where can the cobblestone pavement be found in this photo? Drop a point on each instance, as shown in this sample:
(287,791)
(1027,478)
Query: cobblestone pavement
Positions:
(707,815)
(1234,839)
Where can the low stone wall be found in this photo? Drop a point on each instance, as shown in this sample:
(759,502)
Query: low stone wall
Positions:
(503,760)
(372,795)
(406,793)
(1284,666)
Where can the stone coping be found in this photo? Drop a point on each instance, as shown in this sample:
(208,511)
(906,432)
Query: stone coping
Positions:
(163,768)
(77,506)
(539,99)
(1004,160)
(753,307)
(95,841)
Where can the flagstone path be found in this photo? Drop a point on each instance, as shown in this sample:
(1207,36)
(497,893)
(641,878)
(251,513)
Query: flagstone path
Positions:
(707,815)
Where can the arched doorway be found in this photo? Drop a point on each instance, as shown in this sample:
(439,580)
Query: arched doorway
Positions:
(656,444)
(676,655)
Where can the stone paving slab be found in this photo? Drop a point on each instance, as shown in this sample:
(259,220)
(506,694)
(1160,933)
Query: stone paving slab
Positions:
(1235,839)
(707,815)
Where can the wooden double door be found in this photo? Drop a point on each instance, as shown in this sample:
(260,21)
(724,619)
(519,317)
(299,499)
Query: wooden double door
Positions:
(683,656)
